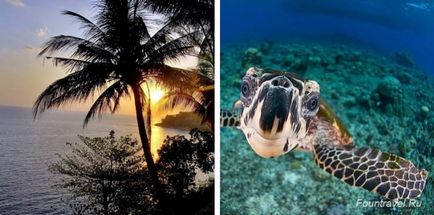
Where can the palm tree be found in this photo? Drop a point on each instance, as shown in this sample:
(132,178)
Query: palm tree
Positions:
(196,15)
(199,99)
(115,57)
(192,16)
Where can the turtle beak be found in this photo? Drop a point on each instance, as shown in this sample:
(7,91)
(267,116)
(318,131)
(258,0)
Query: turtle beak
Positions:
(276,97)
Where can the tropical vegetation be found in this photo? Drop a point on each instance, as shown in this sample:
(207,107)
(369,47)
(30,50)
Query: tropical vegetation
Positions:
(119,53)
(105,175)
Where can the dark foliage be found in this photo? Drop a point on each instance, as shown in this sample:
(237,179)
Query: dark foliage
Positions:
(181,158)
(194,15)
(181,161)
(101,172)
(107,175)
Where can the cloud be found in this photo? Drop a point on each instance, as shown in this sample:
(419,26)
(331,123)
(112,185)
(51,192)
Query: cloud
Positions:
(32,50)
(16,3)
(42,32)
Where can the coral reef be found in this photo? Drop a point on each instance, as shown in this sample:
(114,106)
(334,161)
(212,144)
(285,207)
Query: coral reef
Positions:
(349,78)
(251,57)
(266,47)
(404,59)
(424,112)
(388,96)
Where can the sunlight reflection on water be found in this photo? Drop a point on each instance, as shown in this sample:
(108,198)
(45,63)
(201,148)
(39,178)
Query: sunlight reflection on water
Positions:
(27,147)
(159,134)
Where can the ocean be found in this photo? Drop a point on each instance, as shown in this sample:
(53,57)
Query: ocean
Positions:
(373,61)
(27,147)
(386,26)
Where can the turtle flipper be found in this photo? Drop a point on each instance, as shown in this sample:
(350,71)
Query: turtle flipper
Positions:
(386,174)
(229,118)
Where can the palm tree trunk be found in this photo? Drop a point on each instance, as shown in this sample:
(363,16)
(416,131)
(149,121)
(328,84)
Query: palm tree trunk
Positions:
(148,121)
(146,143)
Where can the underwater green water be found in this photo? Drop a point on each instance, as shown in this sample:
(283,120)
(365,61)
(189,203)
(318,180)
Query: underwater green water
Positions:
(353,81)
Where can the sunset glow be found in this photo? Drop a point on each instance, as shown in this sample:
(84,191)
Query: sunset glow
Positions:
(157,94)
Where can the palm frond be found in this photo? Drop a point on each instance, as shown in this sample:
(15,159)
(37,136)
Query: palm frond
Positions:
(161,37)
(76,87)
(206,65)
(142,28)
(92,31)
(93,53)
(107,101)
(173,78)
(188,11)
(70,64)
(172,50)
(64,43)
(184,100)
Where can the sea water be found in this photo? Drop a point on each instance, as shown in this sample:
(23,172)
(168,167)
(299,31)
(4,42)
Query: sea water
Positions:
(27,147)
(356,50)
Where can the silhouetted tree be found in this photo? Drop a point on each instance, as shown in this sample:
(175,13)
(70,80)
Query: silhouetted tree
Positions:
(181,159)
(193,16)
(106,175)
(102,173)
(197,14)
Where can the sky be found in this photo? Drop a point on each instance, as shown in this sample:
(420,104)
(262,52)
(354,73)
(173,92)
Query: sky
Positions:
(24,26)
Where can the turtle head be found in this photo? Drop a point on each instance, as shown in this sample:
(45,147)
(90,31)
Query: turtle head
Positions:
(277,108)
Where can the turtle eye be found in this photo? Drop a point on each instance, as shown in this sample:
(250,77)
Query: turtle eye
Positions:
(245,89)
(313,103)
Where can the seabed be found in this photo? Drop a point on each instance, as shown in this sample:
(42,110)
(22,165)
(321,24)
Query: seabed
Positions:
(386,102)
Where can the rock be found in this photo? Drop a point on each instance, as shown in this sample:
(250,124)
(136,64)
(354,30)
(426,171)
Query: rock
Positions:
(424,112)
(183,121)
(290,178)
(388,95)
(337,210)
(424,109)
(388,85)
(251,57)
(404,77)
(261,205)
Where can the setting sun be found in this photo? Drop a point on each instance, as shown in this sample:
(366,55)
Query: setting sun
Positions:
(156,94)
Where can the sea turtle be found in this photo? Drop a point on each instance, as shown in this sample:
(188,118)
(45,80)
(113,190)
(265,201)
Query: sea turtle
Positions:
(279,112)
